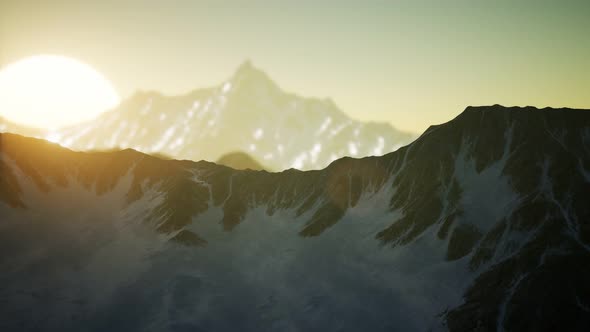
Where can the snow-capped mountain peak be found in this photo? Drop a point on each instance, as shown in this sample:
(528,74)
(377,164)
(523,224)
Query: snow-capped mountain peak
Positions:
(248,112)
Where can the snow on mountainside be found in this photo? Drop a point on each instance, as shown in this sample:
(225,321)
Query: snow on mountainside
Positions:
(482,223)
(247,113)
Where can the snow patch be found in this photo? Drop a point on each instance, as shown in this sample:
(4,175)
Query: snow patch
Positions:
(486,196)
(324,126)
(352,149)
(378,150)
(258,134)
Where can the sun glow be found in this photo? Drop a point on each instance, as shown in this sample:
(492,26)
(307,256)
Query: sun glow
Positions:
(49,91)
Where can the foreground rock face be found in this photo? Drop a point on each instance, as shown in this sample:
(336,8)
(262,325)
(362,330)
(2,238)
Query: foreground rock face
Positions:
(482,223)
(249,112)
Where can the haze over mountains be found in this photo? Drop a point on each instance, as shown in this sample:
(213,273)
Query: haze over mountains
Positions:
(482,223)
(247,113)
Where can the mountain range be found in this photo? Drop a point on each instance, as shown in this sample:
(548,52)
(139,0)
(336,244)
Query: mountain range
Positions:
(247,113)
(480,224)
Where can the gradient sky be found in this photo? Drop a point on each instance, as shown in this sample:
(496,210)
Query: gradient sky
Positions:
(411,63)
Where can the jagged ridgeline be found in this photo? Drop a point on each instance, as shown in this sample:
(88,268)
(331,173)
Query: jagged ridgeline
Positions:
(481,223)
(248,112)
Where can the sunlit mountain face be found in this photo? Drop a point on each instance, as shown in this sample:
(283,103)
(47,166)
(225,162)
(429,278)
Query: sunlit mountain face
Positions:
(248,113)
(481,224)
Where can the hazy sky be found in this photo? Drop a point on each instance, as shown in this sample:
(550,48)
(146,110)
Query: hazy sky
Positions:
(412,63)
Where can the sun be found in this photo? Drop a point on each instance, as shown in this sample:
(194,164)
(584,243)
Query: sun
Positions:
(50,91)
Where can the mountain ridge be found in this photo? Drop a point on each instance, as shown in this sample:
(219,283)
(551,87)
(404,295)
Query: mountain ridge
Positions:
(481,223)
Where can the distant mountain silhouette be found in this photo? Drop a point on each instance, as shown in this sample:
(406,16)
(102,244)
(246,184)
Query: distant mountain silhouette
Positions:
(481,224)
(248,112)
(239,160)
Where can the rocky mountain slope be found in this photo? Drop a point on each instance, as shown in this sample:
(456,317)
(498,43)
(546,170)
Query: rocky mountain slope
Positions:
(481,224)
(248,112)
